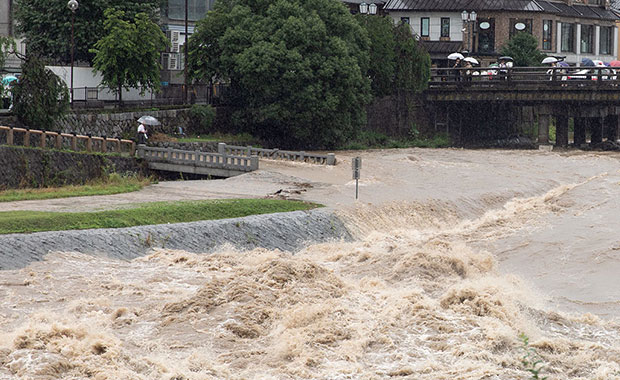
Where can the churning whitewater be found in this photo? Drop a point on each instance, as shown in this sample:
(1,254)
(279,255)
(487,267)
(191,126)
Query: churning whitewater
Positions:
(432,288)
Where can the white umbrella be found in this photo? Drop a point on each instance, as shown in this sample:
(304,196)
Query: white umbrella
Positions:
(548,60)
(471,60)
(455,56)
(148,120)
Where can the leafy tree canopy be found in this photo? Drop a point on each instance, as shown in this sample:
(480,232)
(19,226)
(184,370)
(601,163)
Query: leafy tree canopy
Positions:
(40,96)
(298,68)
(128,54)
(7,45)
(46,25)
(397,61)
(523,48)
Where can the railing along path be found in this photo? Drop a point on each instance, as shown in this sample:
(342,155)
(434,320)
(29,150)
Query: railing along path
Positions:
(72,141)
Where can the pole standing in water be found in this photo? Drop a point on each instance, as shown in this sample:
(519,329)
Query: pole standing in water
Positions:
(357,166)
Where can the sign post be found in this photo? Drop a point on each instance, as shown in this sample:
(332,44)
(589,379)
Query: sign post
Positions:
(356,166)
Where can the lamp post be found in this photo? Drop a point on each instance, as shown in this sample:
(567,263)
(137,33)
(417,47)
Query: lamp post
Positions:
(73,6)
(370,9)
(469,19)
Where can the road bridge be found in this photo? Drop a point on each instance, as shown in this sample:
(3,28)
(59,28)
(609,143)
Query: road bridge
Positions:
(527,98)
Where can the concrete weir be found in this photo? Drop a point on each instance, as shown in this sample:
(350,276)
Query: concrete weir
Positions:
(285,231)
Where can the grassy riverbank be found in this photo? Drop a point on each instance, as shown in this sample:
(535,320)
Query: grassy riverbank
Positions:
(147,214)
(112,184)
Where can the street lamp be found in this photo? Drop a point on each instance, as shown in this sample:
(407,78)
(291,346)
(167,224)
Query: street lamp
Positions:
(370,9)
(469,19)
(73,6)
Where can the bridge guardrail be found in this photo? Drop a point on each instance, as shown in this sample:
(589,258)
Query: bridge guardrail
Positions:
(558,77)
(277,154)
(71,141)
(197,158)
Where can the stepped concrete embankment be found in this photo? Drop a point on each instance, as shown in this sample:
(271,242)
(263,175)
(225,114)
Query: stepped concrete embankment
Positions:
(285,231)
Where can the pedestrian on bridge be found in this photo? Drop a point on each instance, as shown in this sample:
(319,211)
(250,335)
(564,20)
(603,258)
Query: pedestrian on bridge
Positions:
(457,73)
(142,137)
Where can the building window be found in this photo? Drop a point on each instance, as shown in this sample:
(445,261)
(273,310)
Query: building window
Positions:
(404,20)
(547,43)
(587,38)
(607,39)
(445,27)
(520,25)
(486,35)
(568,37)
(425,26)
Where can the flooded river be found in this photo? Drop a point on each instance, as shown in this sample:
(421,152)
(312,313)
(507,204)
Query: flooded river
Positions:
(458,253)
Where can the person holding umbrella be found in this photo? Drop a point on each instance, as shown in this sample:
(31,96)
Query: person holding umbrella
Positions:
(142,137)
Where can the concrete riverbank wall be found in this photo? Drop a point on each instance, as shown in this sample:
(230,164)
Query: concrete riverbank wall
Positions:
(285,231)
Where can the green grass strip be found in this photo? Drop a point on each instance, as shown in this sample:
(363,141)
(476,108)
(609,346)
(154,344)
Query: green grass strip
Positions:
(150,213)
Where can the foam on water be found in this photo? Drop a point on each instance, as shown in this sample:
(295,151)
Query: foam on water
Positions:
(413,298)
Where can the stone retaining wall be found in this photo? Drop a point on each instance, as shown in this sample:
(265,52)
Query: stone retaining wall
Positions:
(33,167)
(122,125)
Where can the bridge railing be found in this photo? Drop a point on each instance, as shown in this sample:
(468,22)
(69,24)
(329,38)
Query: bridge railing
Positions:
(70,141)
(559,77)
(197,158)
(277,154)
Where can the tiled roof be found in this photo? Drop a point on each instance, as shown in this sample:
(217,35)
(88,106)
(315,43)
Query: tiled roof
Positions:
(503,5)
(441,47)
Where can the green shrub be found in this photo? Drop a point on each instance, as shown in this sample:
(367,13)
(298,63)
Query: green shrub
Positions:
(201,118)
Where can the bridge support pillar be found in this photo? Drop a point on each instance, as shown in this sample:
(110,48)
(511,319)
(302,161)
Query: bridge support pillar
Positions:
(612,122)
(596,128)
(561,131)
(543,128)
(580,131)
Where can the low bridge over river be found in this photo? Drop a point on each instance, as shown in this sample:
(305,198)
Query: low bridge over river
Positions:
(229,161)
(465,101)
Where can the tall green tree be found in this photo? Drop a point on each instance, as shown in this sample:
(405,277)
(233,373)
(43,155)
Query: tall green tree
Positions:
(46,25)
(382,51)
(413,63)
(40,96)
(523,48)
(128,54)
(298,68)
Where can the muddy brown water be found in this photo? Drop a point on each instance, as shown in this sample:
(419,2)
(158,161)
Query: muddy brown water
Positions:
(457,253)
